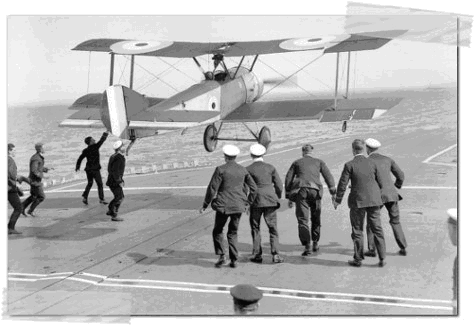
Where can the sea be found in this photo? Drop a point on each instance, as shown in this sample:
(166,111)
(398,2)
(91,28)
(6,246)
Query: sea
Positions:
(427,108)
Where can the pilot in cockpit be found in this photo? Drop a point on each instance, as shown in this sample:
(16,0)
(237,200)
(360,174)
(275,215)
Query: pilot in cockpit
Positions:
(220,75)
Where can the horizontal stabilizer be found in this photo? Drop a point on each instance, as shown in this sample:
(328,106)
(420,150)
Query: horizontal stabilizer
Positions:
(78,123)
(94,101)
(88,101)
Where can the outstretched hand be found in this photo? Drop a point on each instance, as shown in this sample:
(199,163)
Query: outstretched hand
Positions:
(202,210)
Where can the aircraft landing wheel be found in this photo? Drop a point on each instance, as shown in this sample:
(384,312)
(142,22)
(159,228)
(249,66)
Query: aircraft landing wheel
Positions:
(264,137)
(210,138)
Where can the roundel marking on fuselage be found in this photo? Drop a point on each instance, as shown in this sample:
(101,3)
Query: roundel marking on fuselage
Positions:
(213,103)
(139,47)
(312,43)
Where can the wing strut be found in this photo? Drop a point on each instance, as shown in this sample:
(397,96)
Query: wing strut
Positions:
(348,75)
(336,79)
(132,64)
(111,74)
(255,59)
(237,69)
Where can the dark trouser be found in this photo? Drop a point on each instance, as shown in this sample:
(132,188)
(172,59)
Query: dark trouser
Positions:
(118,198)
(218,241)
(15,201)
(37,195)
(94,175)
(270,216)
(308,199)
(393,212)
(357,218)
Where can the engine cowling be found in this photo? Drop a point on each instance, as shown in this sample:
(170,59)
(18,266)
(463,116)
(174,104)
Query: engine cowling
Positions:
(254,85)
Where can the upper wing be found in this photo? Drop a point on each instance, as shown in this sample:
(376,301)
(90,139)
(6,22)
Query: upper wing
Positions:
(322,109)
(329,44)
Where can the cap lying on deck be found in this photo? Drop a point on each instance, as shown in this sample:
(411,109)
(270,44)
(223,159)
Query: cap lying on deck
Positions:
(246,294)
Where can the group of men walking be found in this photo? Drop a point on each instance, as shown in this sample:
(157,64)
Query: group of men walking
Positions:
(115,180)
(233,187)
(256,189)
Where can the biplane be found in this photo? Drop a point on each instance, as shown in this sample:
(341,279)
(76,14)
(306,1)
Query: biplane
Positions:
(224,95)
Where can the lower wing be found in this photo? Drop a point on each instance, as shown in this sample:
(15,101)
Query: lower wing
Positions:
(321,109)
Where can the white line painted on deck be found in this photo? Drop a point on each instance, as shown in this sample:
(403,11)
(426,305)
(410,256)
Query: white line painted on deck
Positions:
(224,289)
(429,159)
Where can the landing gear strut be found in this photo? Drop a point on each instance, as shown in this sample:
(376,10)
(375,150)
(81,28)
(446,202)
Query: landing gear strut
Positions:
(211,137)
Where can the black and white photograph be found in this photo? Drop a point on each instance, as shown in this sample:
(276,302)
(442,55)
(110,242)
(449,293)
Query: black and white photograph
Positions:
(237,163)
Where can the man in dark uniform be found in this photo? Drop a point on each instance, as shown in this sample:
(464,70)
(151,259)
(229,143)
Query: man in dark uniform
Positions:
(364,197)
(245,299)
(93,166)
(269,191)
(115,179)
(389,195)
(14,192)
(227,196)
(37,168)
(303,186)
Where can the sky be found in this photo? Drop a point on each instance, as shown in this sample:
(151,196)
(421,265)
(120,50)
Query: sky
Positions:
(41,68)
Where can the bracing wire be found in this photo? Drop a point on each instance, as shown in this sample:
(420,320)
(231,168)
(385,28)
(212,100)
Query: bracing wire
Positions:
(173,66)
(158,77)
(123,68)
(288,77)
(309,74)
(151,73)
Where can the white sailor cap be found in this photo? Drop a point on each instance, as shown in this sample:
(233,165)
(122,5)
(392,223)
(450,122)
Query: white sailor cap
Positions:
(118,144)
(372,143)
(257,150)
(452,213)
(230,150)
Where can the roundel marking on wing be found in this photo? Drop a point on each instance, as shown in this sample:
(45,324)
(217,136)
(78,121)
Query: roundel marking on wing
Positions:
(139,47)
(313,43)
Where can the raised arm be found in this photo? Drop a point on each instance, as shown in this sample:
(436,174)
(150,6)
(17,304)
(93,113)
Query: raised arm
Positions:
(103,139)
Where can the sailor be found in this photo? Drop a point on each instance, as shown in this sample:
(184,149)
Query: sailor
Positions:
(364,199)
(389,195)
(303,186)
(115,179)
(37,168)
(93,166)
(452,224)
(14,192)
(227,196)
(269,191)
(246,299)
